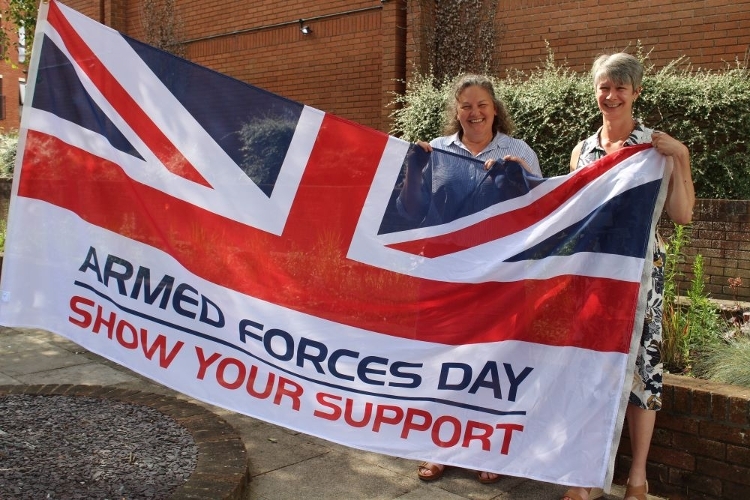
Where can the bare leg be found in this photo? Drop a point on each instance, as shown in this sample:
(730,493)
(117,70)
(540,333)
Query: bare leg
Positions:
(581,492)
(641,427)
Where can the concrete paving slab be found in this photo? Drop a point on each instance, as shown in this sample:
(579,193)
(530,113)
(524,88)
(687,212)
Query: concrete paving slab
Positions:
(35,336)
(430,492)
(352,480)
(81,374)
(273,447)
(30,361)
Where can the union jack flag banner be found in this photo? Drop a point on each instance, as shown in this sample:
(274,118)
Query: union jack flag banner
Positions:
(248,251)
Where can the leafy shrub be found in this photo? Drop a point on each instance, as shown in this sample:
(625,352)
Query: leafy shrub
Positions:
(705,323)
(695,327)
(710,113)
(554,108)
(675,345)
(420,112)
(8,147)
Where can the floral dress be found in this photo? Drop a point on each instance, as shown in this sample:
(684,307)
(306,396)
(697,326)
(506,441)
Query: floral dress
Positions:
(647,378)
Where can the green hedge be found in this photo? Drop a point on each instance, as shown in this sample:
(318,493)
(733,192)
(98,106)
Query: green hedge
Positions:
(554,108)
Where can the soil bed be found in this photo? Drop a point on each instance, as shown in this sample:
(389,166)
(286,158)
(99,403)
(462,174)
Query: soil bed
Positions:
(78,447)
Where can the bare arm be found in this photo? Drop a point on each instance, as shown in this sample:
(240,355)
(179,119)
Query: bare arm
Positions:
(575,155)
(681,193)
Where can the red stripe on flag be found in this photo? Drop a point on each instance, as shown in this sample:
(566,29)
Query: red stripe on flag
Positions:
(124,104)
(502,225)
(305,269)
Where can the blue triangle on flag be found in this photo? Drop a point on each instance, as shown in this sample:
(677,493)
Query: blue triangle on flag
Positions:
(253,126)
(59,91)
(614,228)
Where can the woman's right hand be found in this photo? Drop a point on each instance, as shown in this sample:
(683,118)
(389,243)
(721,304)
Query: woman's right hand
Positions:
(424,145)
(416,160)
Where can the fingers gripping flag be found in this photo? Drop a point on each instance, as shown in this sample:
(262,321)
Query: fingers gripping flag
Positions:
(248,251)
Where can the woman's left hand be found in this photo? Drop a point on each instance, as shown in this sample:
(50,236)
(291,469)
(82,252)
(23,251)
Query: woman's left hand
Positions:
(681,194)
(666,144)
(520,161)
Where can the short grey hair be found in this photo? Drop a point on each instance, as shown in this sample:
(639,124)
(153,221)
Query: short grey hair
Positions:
(621,68)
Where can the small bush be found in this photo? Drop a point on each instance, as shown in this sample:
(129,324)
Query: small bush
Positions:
(693,328)
(8,147)
(675,335)
(419,114)
(705,323)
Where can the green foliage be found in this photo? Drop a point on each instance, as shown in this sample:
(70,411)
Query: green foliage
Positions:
(675,345)
(704,319)
(162,26)
(8,148)
(463,39)
(710,113)
(18,14)
(554,108)
(420,112)
(727,362)
(689,329)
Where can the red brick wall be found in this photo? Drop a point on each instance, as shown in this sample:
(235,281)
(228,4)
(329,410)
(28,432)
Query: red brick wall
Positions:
(710,32)
(11,93)
(10,89)
(701,443)
(337,68)
(721,234)
(94,9)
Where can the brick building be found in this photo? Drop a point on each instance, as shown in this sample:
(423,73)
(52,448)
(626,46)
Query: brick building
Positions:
(358,53)
(12,82)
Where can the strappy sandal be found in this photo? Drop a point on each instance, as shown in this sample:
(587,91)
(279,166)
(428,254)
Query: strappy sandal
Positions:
(488,479)
(436,471)
(637,492)
(594,493)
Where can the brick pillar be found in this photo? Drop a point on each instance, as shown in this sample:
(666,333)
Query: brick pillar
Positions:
(393,29)
(114,13)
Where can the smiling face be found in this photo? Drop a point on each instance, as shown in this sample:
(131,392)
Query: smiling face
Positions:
(476,113)
(615,99)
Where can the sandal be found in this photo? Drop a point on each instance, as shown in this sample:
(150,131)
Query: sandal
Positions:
(491,477)
(594,493)
(637,492)
(435,471)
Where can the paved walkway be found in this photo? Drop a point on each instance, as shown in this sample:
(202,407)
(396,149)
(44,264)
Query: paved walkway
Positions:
(283,464)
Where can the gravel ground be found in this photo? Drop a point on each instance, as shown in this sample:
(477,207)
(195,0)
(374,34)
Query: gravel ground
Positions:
(75,447)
